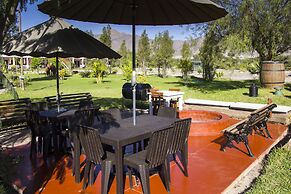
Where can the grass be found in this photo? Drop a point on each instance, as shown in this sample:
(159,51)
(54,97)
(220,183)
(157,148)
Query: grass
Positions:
(276,177)
(109,91)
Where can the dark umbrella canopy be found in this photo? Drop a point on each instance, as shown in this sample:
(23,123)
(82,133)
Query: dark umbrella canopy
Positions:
(56,37)
(135,12)
(148,12)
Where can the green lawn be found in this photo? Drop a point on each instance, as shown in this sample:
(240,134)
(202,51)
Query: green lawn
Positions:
(110,90)
(276,177)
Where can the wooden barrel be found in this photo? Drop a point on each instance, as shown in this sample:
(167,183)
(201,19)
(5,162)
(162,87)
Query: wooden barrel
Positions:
(272,74)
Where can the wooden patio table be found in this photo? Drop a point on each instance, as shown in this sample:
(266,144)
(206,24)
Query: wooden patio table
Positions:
(124,133)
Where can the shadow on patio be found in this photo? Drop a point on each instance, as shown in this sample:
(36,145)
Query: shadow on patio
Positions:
(210,170)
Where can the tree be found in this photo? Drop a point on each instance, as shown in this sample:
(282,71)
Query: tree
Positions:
(185,63)
(8,9)
(98,68)
(125,61)
(209,54)
(105,37)
(90,32)
(260,25)
(36,63)
(267,23)
(163,52)
(144,51)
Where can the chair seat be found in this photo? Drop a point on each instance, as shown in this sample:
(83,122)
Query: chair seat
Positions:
(109,157)
(134,160)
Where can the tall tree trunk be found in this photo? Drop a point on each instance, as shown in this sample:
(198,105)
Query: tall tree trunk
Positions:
(144,68)
(164,70)
(159,70)
(7,18)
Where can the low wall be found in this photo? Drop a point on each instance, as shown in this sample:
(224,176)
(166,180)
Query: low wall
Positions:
(240,114)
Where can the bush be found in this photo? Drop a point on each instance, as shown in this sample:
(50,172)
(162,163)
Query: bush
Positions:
(253,67)
(13,68)
(141,78)
(126,69)
(63,73)
(219,75)
(85,74)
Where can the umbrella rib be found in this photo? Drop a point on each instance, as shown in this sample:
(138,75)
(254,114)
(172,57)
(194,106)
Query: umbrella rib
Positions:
(108,10)
(152,13)
(96,8)
(178,11)
(36,45)
(190,11)
(164,12)
(121,14)
(71,5)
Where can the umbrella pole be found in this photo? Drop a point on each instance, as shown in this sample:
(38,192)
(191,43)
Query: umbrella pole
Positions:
(58,83)
(133,81)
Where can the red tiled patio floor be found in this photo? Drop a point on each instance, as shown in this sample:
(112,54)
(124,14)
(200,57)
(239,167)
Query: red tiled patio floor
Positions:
(210,170)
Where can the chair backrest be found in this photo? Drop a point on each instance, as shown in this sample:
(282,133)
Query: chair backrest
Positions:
(180,135)
(111,115)
(158,147)
(157,97)
(84,117)
(174,89)
(85,104)
(91,143)
(154,89)
(168,112)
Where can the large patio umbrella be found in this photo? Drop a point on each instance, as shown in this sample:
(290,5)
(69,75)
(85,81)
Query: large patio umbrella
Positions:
(56,38)
(135,12)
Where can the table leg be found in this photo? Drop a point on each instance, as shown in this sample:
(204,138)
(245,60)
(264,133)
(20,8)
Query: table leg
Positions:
(180,103)
(119,170)
(167,102)
(150,105)
(76,158)
(76,153)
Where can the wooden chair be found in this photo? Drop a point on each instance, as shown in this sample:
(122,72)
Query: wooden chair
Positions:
(167,112)
(179,145)
(155,156)
(95,155)
(157,101)
(85,104)
(110,115)
(174,102)
(41,134)
(83,117)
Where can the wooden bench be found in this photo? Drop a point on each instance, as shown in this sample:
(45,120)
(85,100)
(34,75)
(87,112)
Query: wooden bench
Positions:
(13,117)
(69,101)
(239,132)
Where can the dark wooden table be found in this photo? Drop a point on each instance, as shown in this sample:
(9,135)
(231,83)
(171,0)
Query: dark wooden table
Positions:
(123,133)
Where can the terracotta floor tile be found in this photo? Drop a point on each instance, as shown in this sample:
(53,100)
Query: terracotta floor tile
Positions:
(210,170)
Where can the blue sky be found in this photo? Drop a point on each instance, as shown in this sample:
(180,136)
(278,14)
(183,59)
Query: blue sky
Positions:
(32,17)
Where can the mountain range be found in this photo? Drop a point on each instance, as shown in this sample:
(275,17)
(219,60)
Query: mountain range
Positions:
(118,37)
